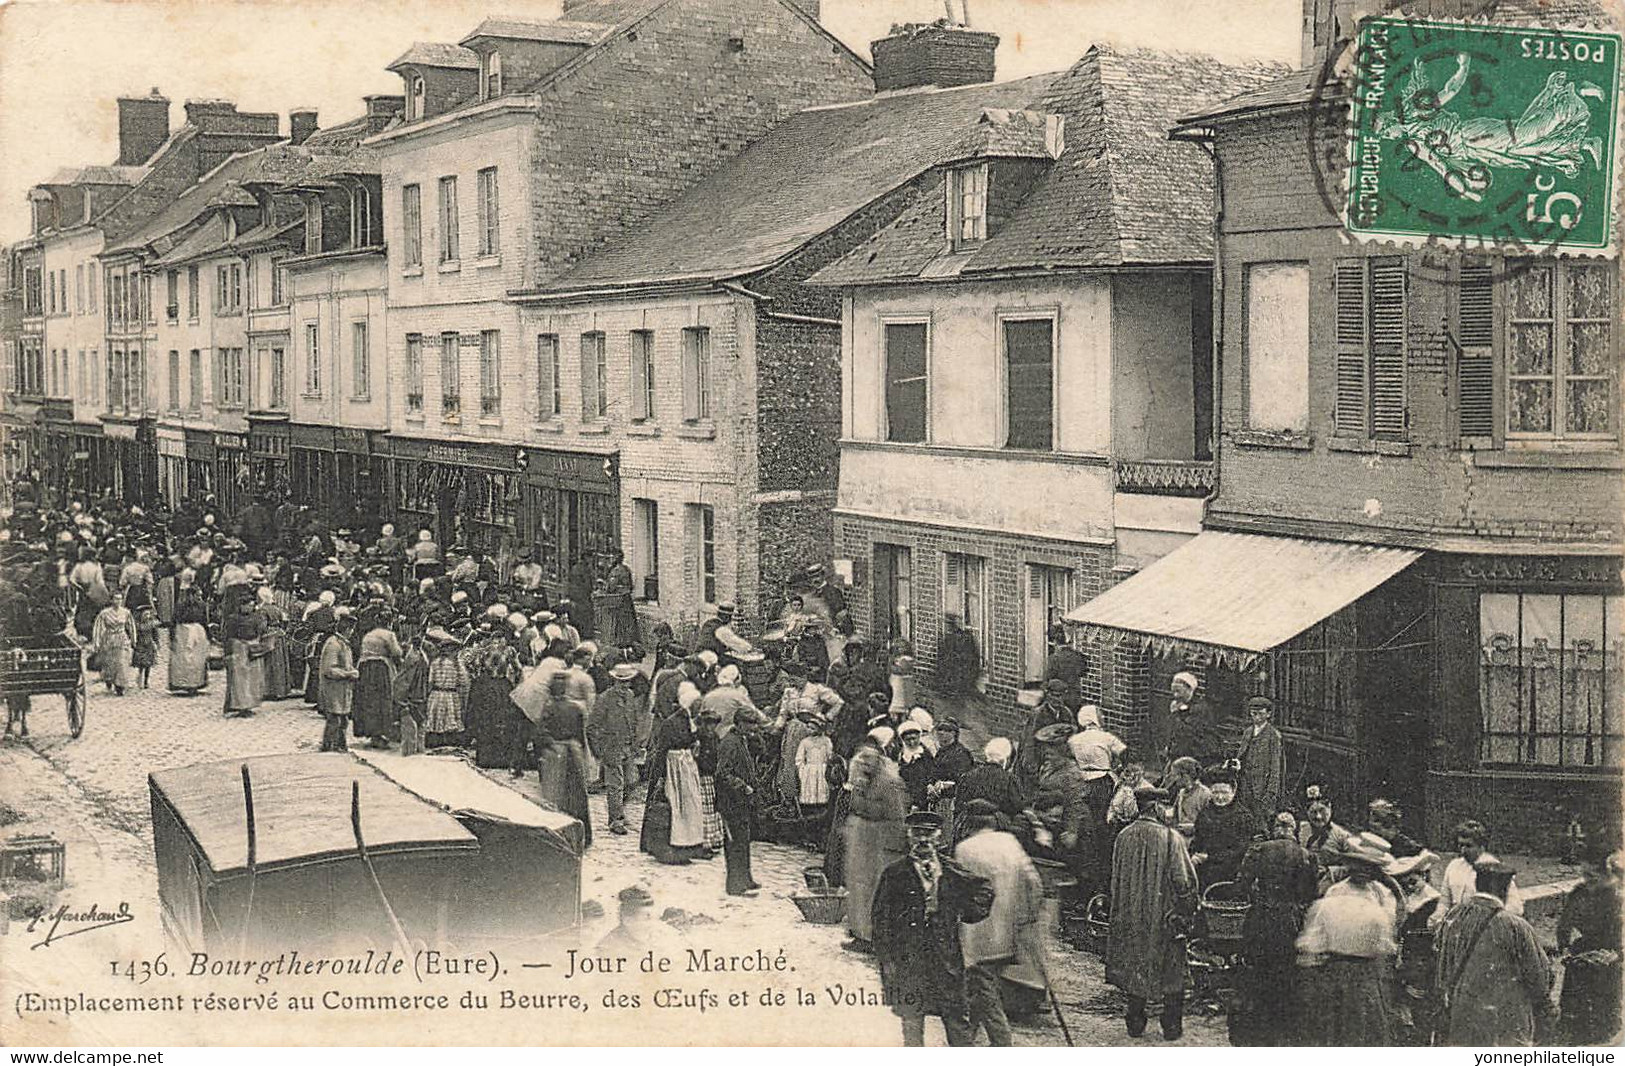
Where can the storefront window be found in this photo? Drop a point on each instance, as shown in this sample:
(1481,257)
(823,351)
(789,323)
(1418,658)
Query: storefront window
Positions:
(1550,679)
(1314,679)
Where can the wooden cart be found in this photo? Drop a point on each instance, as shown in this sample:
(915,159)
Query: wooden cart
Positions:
(40,666)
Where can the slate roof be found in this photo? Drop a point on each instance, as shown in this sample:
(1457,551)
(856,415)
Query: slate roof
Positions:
(810,173)
(1122,193)
(437,54)
(558,31)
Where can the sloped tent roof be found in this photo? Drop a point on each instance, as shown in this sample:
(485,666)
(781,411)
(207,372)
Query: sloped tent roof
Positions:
(1238,594)
(1121,193)
(810,173)
(301,809)
(437,54)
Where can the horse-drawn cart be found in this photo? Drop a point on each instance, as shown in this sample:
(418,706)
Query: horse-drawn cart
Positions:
(43,665)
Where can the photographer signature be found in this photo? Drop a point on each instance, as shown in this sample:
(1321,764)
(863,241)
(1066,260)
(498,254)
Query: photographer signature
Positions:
(77,921)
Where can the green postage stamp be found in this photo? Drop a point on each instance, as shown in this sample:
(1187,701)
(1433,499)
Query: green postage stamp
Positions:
(1484,135)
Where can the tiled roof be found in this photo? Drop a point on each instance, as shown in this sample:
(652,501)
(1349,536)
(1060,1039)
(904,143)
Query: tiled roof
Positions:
(559,31)
(274,164)
(810,173)
(1005,133)
(1121,193)
(437,54)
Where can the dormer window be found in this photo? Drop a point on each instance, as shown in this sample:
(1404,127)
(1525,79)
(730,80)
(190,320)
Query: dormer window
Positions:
(967,205)
(414,97)
(361,229)
(491,74)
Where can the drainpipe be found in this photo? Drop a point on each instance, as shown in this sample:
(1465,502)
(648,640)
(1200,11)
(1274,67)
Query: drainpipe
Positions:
(1217,329)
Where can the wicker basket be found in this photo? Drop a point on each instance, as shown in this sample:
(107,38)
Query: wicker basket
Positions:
(1223,917)
(822,910)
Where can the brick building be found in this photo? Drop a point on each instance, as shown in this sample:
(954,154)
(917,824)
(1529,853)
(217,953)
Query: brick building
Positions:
(1411,547)
(1026,369)
(525,149)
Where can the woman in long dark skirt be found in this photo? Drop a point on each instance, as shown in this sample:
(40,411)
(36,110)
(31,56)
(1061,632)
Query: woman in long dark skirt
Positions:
(560,738)
(501,730)
(373,713)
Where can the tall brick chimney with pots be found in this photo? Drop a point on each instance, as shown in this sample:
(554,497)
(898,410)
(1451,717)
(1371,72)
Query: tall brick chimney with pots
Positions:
(937,53)
(143,126)
(301,124)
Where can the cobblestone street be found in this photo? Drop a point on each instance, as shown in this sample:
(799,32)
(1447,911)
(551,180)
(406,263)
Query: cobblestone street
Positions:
(92,793)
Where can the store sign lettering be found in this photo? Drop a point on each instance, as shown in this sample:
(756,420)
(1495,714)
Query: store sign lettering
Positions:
(1536,570)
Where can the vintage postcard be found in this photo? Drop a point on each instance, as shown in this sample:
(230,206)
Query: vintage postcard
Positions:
(811,522)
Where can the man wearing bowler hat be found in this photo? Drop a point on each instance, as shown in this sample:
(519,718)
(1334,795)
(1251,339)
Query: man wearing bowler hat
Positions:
(919,904)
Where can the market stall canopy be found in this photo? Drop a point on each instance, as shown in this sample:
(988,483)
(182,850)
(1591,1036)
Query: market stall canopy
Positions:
(302,811)
(1238,595)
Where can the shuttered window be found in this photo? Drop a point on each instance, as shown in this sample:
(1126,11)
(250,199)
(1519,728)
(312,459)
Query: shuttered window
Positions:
(549,388)
(1475,358)
(1029,374)
(964,594)
(643,375)
(1370,348)
(696,374)
(906,382)
(594,404)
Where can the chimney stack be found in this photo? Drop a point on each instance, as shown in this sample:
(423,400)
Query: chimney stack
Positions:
(937,53)
(382,109)
(143,127)
(301,124)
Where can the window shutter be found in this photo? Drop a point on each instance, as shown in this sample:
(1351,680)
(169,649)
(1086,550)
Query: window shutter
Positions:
(1349,419)
(1035,583)
(1388,349)
(953,584)
(1475,371)
(589,377)
(640,375)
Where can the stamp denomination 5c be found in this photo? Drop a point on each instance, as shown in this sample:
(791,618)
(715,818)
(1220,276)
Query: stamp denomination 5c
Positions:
(1487,135)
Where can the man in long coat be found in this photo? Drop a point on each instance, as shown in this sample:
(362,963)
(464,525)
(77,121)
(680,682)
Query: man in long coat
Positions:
(1263,764)
(736,800)
(919,905)
(1493,976)
(1009,944)
(1153,897)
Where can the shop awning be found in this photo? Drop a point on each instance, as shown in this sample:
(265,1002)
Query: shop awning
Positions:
(1238,595)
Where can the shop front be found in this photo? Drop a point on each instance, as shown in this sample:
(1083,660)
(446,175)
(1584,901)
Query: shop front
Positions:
(170,443)
(1337,635)
(1530,731)
(96,459)
(200,463)
(268,444)
(65,474)
(465,493)
(570,509)
(233,478)
(332,469)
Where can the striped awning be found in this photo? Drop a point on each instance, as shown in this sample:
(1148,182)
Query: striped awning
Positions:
(1238,595)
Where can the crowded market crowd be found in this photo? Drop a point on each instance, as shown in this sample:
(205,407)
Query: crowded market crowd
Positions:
(807,736)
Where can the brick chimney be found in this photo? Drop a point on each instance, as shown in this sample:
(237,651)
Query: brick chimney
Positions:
(143,126)
(935,53)
(382,109)
(301,124)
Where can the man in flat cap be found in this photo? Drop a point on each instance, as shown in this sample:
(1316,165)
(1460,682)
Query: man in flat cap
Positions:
(1153,897)
(919,904)
(1263,764)
(736,785)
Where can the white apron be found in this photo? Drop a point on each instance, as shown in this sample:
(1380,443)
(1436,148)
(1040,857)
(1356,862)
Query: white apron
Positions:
(683,792)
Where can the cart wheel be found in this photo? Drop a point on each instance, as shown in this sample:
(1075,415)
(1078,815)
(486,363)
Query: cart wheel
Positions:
(78,704)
